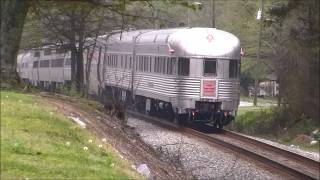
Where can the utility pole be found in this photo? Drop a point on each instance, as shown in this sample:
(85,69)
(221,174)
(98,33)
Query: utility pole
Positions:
(213,15)
(155,18)
(188,20)
(256,80)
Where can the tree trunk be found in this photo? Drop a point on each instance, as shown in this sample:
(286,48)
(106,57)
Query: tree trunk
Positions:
(73,67)
(13,13)
(79,72)
(256,89)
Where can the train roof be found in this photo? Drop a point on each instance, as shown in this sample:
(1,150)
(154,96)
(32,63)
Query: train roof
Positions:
(209,42)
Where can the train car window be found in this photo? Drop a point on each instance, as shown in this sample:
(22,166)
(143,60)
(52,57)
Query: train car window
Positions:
(164,65)
(146,63)
(210,67)
(183,66)
(111,60)
(125,62)
(130,63)
(61,51)
(68,62)
(114,60)
(140,63)
(155,67)
(174,65)
(233,68)
(47,52)
(169,66)
(159,65)
(37,54)
(104,60)
(150,63)
(57,63)
(122,64)
(44,63)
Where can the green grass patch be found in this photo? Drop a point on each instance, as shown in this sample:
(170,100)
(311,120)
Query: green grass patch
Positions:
(37,142)
(260,101)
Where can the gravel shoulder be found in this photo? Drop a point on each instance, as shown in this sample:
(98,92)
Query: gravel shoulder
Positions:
(199,159)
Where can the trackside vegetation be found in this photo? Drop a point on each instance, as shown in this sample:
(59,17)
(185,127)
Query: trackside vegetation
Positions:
(37,142)
(277,124)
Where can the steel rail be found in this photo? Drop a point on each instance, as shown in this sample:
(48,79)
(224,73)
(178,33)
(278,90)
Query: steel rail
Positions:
(293,171)
(305,161)
(283,167)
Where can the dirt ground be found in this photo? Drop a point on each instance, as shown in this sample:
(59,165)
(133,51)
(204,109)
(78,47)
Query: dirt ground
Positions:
(121,137)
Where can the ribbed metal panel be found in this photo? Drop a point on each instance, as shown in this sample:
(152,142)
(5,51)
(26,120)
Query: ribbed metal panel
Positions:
(168,86)
(228,89)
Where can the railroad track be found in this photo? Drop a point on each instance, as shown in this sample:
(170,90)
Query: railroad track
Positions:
(284,161)
(297,166)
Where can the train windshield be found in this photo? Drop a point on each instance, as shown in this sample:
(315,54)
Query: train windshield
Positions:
(210,67)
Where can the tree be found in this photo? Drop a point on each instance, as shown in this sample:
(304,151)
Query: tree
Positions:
(294,48)
(13,13)
(70,25)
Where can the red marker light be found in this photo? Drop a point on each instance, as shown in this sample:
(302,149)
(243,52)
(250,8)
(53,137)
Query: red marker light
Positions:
(210,38)
(241,53)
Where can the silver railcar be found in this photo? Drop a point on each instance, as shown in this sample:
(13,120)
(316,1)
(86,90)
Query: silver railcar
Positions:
(189,74)
(185,74)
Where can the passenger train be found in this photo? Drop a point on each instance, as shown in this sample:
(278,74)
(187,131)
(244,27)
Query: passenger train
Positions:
(186,74)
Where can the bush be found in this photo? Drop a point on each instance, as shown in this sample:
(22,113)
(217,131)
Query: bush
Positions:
(276,121)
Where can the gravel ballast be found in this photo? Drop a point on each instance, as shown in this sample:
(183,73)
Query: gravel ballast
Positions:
(199,160)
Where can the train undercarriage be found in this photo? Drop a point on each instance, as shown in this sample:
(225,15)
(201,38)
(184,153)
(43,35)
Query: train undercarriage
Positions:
(208,113)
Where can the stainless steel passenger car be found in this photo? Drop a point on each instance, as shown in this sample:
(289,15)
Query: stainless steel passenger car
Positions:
(186,74)
(46,67)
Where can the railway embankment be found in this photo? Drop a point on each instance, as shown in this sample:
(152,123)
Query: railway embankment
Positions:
(277,124)
(42,138)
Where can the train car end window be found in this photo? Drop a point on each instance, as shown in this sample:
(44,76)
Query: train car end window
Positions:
(37,54)
(44,63)
(35,64)
(61,51)
(183,66)
(68,62)
(233,68)
(47,52)
(210,67)
(57,63)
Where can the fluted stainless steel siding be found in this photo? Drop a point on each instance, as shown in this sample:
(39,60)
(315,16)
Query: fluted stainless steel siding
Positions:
(228,89)
(163,85)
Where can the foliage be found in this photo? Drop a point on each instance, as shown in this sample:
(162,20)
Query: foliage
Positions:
(69,91)
(38,142)
(275,123)
(294,51)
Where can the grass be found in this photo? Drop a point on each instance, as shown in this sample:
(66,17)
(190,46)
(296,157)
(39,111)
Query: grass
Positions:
(248,109)
(260,101)
(39,143)
(262,104)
